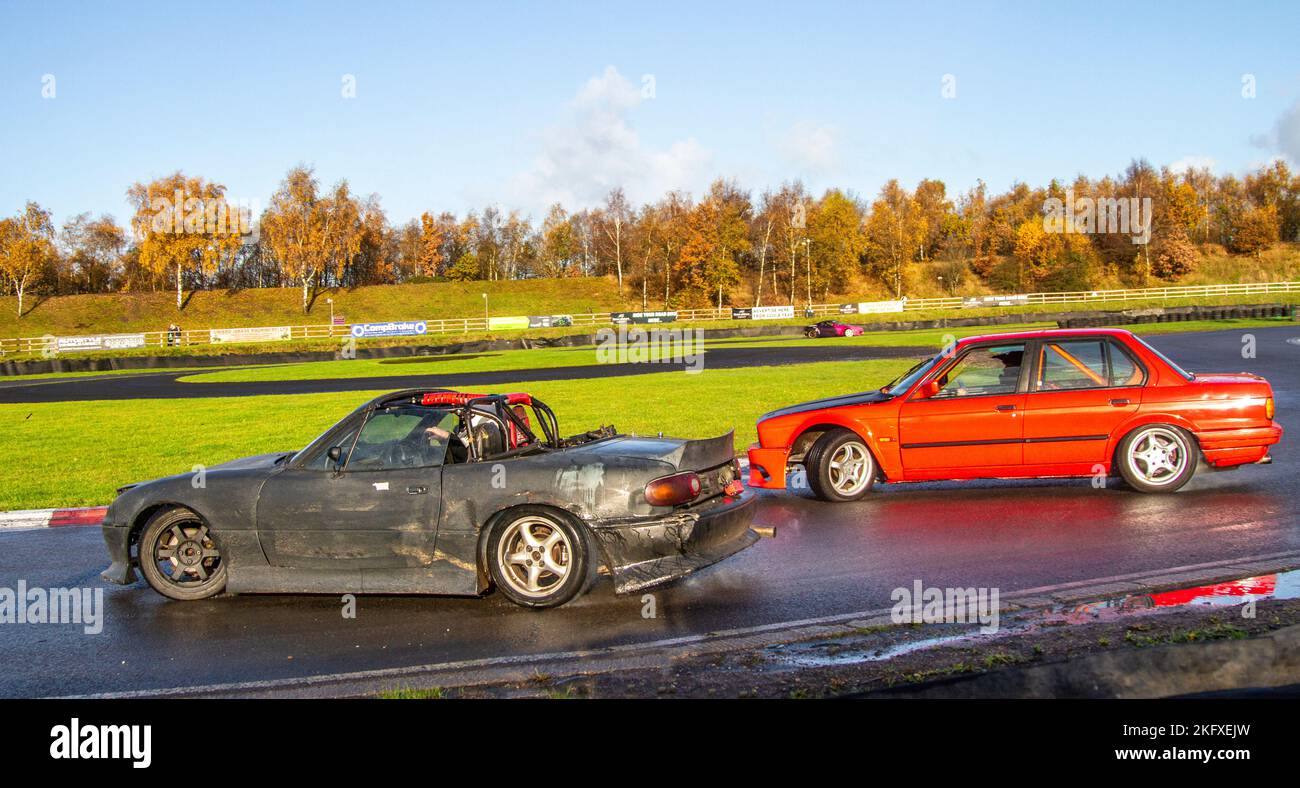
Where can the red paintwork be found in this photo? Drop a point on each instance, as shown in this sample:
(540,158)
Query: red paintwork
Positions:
(834,328)
(1226,414)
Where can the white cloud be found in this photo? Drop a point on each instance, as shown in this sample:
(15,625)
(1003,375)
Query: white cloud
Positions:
(1285,136)
(811,147)
(595,148)
(1193,162)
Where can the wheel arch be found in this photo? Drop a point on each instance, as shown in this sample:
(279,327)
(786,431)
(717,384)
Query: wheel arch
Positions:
(148,511)
(1140,420)
(497,517)
(806,436)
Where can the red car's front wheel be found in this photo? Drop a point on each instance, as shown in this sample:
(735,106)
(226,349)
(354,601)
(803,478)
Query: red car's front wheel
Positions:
(840,467)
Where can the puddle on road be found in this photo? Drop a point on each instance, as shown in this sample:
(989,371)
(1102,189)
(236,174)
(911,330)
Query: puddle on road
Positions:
(886,643)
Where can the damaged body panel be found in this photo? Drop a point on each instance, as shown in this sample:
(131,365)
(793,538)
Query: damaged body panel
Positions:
(438,492)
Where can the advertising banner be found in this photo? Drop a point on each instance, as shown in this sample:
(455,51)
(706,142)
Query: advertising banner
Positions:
(642,317)
(398,328)
(549,321)
(993,300)
(878,307)
(499,323)
(260,334)
(772,312)
(99,342)
(742,313)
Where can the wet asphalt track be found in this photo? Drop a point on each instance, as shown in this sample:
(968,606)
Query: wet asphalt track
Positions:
(827,559)
(164,385)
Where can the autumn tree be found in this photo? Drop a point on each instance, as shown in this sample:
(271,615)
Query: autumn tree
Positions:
(26,245)
(184,223)
(1254,229)
(430,258)
(838,241)
(94,250)
(310,234)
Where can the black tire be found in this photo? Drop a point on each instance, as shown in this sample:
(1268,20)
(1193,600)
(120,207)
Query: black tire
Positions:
(572,550)
(1174,444)
(817,467)
(179,538)
(811,333)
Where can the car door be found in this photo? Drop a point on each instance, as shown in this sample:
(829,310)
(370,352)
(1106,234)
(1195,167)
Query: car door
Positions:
(375,507)
(1081,390)
(973,423)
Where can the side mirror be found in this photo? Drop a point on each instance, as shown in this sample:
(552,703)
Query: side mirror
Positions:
(335,454)
(928,389)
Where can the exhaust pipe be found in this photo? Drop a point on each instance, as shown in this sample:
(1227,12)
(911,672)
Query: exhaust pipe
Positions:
(765,531)
(1268,460)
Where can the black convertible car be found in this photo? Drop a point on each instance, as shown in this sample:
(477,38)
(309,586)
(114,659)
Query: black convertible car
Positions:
(438,492)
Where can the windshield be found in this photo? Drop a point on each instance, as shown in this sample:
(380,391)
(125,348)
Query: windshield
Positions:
(1187,375)
(908,379)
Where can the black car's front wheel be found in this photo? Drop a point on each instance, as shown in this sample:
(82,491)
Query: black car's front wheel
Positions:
(811,333)
(179,557)
(538,558)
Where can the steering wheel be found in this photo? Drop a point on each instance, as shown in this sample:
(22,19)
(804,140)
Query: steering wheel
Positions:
(401,454)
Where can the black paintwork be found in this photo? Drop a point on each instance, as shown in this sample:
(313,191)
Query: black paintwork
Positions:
(284,526)
(844,400)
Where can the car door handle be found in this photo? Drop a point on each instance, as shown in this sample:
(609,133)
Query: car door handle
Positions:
(1006,407)
(416,490)
(1119,402)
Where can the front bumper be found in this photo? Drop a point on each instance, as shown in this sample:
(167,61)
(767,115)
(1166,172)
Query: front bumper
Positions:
(767,467)
(645,552)
(1224,448)
(118,540)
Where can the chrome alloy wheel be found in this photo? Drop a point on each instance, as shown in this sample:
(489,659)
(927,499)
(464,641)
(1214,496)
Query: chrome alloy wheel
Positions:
(535,556)
(850,469)
(1157,456)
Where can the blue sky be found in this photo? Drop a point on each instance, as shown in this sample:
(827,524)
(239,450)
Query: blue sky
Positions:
(459,105)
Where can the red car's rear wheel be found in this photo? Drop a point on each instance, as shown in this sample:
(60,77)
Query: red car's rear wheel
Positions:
(1157,458)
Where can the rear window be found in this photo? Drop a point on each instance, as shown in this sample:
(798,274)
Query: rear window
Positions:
(1186,375)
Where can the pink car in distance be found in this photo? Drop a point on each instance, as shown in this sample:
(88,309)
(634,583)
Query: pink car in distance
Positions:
(832,328)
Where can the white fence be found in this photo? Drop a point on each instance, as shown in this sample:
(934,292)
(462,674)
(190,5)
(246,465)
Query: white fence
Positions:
(472,324)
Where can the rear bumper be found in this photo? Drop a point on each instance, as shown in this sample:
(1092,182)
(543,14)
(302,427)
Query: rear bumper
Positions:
(1223,448)
(767,467)
(645,552)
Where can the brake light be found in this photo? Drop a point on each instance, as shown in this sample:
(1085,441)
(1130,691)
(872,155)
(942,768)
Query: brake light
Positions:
(1268,408)
(673,490)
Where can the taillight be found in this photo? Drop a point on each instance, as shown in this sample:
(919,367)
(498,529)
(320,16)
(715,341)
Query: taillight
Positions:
(1268,408)
(673,490)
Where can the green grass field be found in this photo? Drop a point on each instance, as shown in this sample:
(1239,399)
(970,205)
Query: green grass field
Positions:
(71,454)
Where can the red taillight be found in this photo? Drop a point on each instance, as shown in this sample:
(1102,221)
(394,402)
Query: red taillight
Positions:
(734,489)
(673,490)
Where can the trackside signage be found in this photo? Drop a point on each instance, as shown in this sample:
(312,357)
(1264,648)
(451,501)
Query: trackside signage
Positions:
(259,334)
(879,307)
(500,323)
(763,312)
(99,342)
(549,321)
(642,317)
(398,328)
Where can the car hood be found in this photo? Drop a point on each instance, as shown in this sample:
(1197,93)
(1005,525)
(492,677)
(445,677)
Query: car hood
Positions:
(248,463)
(863,398)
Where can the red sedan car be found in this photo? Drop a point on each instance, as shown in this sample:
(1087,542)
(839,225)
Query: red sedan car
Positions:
(1043,403)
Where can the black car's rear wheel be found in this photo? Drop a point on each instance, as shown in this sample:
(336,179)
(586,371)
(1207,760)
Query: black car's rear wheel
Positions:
(840,467)
(179,557)
(811,332)
(538,558)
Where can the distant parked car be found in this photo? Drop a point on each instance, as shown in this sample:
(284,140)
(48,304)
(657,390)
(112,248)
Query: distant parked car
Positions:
(1034,404)
(832,328)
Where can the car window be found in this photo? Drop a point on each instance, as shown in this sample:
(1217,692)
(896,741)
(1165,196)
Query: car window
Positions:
(1072,364)
(984,370)
(403,437)
(322,461)
(1124,371)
